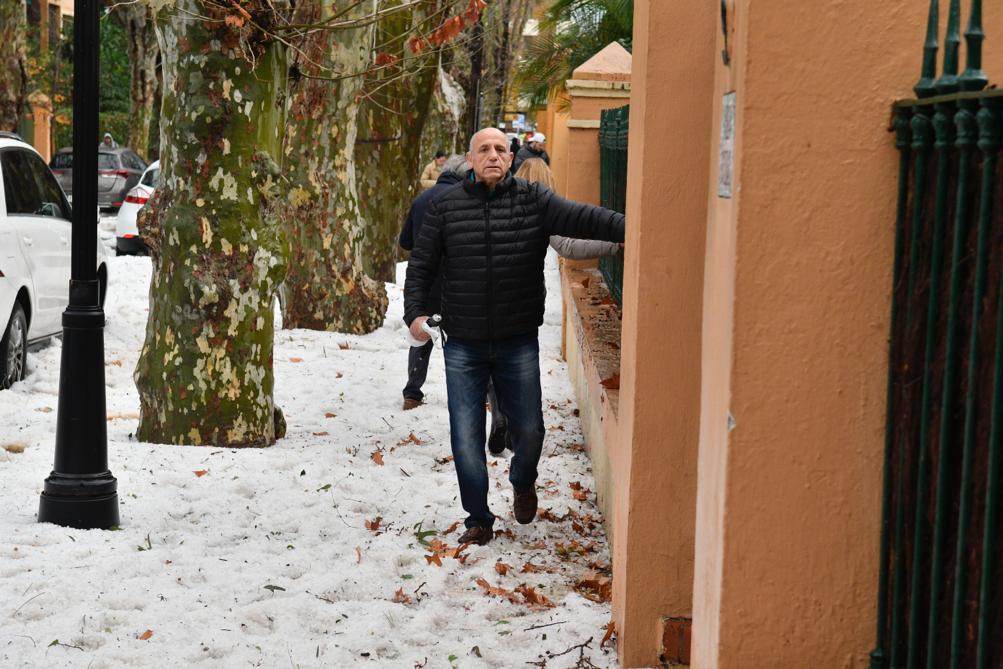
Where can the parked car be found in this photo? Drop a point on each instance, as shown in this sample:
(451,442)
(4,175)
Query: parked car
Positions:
(35,231)
(128,241)
(119,171)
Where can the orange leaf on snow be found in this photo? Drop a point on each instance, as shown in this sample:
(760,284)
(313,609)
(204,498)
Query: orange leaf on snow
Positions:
(328,414)
(358,555)
(145,635)
(575,485)
(451,528)
(411,439)
(610,631)
(400,597)
(200,472)
(117,363)
(580,495)
(374,524)
(502,568)
(596,587)
(533,598)
(434,559)
(295,359)
(497,592)
(344,345)
(321,434)
(338,375)
(377,457)
(529,568)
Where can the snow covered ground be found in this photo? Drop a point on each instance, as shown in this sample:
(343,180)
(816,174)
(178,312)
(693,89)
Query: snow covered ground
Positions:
(334,548)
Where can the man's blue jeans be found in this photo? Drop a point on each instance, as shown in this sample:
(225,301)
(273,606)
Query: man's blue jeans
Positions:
(513,365)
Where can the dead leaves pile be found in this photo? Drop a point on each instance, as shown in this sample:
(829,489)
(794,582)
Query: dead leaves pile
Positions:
(530,597)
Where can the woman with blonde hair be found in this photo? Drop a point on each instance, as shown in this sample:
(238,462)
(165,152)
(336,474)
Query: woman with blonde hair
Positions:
(536,170)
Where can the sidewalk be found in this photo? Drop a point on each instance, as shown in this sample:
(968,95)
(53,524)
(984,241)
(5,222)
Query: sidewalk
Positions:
(336,547)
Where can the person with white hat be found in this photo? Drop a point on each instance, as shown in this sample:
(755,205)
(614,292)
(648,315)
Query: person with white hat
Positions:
(534,148)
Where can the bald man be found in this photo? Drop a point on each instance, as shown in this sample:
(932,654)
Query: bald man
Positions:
(489,236)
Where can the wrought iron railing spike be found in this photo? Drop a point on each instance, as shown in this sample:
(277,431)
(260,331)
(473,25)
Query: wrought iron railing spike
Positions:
(948,82)
(973,78)
(926,86)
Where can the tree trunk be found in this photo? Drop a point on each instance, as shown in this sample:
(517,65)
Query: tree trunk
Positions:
(387,150)
(205,372)
(476,69)
(13,75)
(326,288)
(445,127)
(138,22)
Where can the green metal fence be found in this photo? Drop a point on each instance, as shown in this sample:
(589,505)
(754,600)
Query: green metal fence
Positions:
(613,185)
(941,573)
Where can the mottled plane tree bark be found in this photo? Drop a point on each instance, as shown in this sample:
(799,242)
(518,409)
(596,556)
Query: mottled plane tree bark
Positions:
(137,20)
(13,73)
(205,371)
(394,113)
(326,288)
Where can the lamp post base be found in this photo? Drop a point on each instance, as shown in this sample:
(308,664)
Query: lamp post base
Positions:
(87,502)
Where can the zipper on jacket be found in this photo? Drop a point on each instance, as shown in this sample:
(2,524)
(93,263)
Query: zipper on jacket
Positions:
(487,240)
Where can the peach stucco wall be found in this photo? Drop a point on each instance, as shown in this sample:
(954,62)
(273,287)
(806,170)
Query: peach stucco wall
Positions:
(795,331)
(655,465)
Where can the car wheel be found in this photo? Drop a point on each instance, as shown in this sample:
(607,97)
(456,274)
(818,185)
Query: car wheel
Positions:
(14,348)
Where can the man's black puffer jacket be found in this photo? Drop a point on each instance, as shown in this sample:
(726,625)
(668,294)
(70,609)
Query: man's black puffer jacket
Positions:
(491,246)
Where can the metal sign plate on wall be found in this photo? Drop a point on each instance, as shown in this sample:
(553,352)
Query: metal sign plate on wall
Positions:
(726,159)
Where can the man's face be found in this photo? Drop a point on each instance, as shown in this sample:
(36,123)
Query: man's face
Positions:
(489,156)
(538,146)
(107,140)
(440,161)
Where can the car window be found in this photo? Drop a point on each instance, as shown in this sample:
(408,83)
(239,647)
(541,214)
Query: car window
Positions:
(107,161)
(62,161)
(151,177)
(29,187)
(137,162)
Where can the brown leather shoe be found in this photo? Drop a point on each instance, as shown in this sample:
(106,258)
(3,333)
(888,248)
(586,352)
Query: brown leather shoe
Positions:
(411,403)
(477,535)
(524,505)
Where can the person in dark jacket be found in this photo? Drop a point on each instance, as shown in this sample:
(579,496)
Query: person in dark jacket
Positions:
(453,171)
(534,148)
(488,237)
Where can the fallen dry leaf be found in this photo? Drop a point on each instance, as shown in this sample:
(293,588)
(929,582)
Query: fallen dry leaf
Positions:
(295,359)
(529,568)
(410,439)
(377,457)
(374,524)
(145,635)
(15,447)
(502,568)
(44,409)
(328,414)
(451,528)
(343,345)
(610,631)
(445,460)
(533,598)
(596,587)
(338,375)
(117,363)
(321,434)
(200,472)
(497,592)
(580,495)
(400,597)
(358,555)
(434,559)
(575,485)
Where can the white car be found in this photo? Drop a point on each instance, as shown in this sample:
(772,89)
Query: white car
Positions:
(127,239)
(35,233)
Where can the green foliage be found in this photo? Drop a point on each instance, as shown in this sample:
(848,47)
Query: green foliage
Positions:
(572,32)
(52,74)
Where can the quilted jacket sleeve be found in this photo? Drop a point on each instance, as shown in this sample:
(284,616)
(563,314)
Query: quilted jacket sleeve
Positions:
(423,266)
(577,219)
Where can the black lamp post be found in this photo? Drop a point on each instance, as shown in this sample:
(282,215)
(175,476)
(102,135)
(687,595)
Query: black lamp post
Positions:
(80,491)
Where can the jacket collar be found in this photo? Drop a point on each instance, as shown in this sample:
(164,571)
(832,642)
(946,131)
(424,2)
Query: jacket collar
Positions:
(480,190)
